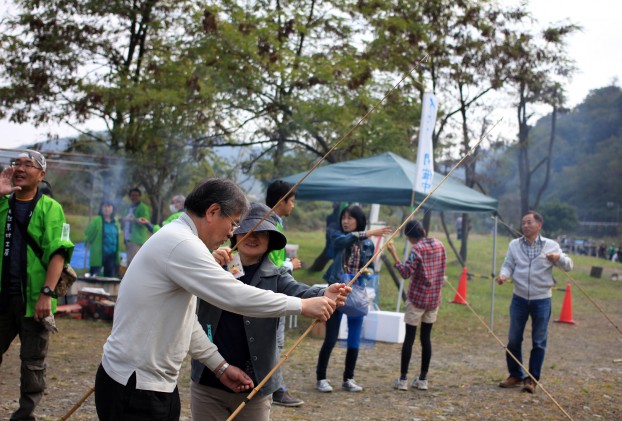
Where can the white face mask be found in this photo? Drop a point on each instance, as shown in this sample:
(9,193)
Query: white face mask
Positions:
(172,208)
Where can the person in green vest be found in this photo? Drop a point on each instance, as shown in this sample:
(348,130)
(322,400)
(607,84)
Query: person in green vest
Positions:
(134,232)
(102,236)
(176,207)
(29,219)
(277,190)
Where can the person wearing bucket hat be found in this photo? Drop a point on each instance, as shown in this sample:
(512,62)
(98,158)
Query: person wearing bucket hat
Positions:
(249,342)
(27,282)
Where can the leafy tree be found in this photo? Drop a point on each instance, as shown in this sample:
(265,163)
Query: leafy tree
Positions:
(124,62)
(461,40)
(532,65)
(559,217)
(293,79)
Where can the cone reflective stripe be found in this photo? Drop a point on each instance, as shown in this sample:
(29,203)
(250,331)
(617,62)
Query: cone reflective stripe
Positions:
(566,313)
(461,293)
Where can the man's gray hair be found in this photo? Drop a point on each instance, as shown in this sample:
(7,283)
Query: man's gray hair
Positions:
(217,190)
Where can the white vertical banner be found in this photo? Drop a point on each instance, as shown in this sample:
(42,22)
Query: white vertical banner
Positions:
(425,161)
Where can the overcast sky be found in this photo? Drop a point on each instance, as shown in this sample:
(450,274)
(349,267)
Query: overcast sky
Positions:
(597,50)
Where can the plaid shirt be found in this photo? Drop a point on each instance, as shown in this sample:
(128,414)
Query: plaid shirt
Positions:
(426,269)
(532,250)
(353,262)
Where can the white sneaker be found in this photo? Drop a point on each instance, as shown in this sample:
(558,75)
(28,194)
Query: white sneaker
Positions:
(351,386)
(323,386)
(420,384)
(400,384)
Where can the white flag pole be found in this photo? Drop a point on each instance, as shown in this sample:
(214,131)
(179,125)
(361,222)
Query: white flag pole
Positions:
(425,160)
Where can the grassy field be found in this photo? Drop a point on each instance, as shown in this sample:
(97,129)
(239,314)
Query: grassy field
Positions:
(479,290)
(580,368)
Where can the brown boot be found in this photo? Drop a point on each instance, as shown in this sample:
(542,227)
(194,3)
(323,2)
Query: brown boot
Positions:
(510,382)
(529,385)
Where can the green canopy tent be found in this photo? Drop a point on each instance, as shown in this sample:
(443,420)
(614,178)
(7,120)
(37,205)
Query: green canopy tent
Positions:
(386,179)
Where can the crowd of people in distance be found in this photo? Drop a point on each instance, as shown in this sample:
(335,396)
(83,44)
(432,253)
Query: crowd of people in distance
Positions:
(214,281)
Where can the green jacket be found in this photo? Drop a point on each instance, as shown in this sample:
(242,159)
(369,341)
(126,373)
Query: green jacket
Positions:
(156,227)
(138,233)
(45,227)
(278,256)
(94,236)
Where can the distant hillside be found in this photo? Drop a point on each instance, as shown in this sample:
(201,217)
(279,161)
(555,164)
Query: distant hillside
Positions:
(587,159)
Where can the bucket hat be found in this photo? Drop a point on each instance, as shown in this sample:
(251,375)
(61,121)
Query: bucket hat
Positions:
(256,213)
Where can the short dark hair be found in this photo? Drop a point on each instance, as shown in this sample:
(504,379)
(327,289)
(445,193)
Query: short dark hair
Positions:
(414,229)
(276,190)
(217,190)
(536,215)
(135,189)
(104,203)
(357,213)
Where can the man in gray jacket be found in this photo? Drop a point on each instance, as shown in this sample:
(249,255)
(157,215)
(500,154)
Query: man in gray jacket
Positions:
(529,261)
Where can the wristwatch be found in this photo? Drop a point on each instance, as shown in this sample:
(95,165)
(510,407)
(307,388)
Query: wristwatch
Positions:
(46,290)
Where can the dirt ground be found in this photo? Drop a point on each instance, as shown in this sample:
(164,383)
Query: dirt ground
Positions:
(579,373)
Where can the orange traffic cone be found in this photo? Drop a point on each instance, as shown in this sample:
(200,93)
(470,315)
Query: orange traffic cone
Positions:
(566,314)
(461,294)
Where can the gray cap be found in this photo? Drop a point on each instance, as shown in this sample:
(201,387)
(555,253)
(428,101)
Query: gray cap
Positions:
(257,212)
(37,157)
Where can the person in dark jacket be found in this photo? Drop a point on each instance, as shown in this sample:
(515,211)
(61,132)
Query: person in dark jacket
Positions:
(248,342)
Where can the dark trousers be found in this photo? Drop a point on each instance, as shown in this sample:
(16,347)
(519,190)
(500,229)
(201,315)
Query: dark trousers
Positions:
(426,349)
(34,340)
(116,402)
(109,265)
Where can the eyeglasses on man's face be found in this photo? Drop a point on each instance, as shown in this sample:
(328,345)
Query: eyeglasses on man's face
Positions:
(25,164)
(234,225)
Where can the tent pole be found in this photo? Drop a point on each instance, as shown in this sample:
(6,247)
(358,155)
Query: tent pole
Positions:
(492,274)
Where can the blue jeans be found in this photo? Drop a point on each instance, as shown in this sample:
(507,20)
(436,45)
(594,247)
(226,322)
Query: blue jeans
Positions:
(540,312)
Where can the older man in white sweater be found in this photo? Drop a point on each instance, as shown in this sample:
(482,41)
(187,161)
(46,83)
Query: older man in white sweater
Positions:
(155,324)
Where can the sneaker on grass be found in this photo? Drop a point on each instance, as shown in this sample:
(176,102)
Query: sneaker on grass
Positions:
(400,384)
(351,386)
(323,386)
(420,384)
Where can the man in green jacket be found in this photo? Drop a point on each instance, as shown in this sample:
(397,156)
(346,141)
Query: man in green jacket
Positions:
(27,281)
(134,231)
(277,190)
(176,207)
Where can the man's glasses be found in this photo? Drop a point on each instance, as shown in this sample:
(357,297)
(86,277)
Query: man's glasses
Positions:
(27,165)
(234,226)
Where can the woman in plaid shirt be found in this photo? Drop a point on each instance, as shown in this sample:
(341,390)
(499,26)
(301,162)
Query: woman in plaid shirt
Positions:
(426,268)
